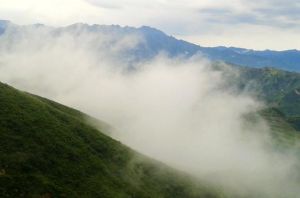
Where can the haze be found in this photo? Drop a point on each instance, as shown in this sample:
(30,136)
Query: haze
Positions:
(249,24)
(175,110)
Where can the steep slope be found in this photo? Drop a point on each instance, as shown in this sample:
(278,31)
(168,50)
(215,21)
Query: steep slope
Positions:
(277,88)
(156,41)
(47,150)
(283,132)
(271,84)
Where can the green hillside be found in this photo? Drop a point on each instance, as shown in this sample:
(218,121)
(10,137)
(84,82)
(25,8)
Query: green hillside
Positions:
(284,134)
(47,150)
(280,89)
(273,85)
(277,88)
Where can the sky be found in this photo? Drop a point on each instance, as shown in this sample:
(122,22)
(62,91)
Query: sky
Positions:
(256,24)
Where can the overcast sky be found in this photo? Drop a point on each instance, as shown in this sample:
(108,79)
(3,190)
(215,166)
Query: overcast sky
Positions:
(258,24)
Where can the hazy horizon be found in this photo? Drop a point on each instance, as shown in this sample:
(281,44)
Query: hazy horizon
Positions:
(239,23)
(190,40)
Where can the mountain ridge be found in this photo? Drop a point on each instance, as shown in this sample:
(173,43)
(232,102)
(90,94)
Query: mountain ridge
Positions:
(157,41)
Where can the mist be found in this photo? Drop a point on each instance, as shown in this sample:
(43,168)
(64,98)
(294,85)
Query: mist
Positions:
(179,111)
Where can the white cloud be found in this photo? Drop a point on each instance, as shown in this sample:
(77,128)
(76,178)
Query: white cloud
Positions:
(247,36)
(51,12)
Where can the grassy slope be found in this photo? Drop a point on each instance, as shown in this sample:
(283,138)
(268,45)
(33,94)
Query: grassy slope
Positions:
(278,88)
(284,134)
(275,86)
(47,150)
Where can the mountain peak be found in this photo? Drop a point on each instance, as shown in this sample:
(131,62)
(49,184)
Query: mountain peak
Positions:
(150,29)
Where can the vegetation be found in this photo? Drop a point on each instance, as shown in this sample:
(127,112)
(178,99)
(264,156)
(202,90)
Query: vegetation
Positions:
(272,85)
(283,133)
(277,88)
(47,150)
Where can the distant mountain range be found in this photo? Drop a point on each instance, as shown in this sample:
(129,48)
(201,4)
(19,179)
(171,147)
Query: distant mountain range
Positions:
(157,41)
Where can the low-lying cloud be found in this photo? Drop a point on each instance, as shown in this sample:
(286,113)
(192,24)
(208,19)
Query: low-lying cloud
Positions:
(175,110)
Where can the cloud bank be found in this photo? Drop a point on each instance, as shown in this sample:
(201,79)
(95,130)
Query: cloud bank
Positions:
(174,110)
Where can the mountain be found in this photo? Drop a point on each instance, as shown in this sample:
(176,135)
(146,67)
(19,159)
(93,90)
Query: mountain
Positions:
(274,87)
(3,25)
(48,150)
(277,89)
(156,41)
(287,60)
(284,134)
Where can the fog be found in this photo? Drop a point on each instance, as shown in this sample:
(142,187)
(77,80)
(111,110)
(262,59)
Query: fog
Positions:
(179,111)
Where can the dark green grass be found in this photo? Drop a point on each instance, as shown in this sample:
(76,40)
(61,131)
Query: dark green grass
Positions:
(48,150)
(277,88)
(284,134)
